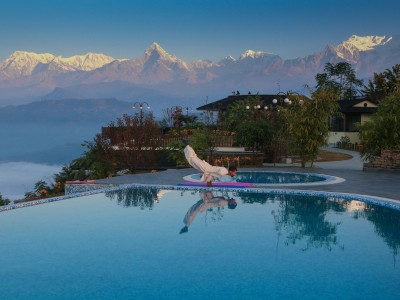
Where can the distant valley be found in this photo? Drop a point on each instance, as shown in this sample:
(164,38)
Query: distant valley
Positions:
(52,131)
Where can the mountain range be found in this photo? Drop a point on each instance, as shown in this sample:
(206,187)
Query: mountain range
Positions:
(50,104)
(163,78)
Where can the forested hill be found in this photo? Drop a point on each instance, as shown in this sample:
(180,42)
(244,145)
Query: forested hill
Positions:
(100,111)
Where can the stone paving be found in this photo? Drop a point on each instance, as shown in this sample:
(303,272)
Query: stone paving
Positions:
(379,183)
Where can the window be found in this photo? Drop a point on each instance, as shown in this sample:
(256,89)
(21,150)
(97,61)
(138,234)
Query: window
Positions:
(351,121)
(336,123)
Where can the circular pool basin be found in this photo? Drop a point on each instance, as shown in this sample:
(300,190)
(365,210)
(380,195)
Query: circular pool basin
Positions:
(271,178)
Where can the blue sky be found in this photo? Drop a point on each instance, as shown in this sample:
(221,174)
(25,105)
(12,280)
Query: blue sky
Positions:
(190,29)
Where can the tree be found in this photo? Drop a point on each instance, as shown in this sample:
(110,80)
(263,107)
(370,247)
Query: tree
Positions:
(308,123)
(201,140)
(340,78)
(382,131)
(98,161)
(242,110)
(4,201)
(383,84)
(41,188)
(137,139)
(254,134)
(255,126)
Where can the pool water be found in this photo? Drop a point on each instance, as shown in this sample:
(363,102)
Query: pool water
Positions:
(132,244)
(278,178)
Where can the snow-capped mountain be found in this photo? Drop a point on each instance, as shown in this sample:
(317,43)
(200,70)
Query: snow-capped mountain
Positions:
(350,50)
(250,54)
(22,63)
(29,75)
(87,62)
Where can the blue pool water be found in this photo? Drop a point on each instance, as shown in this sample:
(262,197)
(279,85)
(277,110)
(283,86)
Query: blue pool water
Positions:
(278,178)
(132,243)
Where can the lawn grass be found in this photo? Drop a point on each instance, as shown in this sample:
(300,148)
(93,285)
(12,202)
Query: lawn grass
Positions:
(324,155)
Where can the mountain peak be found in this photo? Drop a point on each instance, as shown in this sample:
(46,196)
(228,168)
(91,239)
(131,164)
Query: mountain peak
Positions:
(229,58)
(156,53)
(253,54)
(351,48)
(154,47)
(365,43)
(22,55)
(21,63)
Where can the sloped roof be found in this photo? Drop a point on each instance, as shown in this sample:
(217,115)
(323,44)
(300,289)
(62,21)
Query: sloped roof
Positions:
(345,106)
(348,106)
(224,103)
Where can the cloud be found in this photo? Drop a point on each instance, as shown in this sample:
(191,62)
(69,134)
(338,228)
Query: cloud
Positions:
(17,178)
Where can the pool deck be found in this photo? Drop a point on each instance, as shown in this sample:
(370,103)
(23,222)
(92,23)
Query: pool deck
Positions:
(378,183)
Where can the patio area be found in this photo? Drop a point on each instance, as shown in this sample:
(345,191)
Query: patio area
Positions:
(378,183)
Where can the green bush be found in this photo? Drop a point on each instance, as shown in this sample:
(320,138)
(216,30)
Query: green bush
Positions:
(382,131)
(4,201)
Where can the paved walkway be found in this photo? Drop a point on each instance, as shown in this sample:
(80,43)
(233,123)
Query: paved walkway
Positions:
(380,183)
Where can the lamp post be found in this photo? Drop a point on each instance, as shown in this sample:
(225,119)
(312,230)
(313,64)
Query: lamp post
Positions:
(187,110)
(140,105)
(177,111)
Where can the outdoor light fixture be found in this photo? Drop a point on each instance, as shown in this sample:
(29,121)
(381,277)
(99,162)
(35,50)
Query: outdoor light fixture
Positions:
(187,110)
(286,99)
(281,99)
(140,104)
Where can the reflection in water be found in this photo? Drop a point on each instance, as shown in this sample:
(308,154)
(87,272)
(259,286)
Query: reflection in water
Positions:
(387,225)
(142,197)
(276,177)
(302,218)
(210,204)
(298,218)
(306,220)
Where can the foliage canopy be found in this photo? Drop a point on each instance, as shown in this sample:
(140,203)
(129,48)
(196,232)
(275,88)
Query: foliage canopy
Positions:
(382,131)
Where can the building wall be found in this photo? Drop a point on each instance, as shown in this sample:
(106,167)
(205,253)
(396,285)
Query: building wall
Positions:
(365,118)
(335,136)
(366,104)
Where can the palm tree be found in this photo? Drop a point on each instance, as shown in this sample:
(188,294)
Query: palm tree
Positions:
(340,78)
(383,84)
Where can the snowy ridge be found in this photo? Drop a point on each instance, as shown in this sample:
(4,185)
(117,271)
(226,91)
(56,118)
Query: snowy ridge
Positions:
(23,63)
(87,62)
(253,54)
(351,48)
(35,75)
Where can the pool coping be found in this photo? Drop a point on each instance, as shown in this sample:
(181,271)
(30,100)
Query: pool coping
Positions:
(380,201)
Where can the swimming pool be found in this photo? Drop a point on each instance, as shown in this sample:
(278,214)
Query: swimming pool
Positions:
(268,178)
(131,243)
